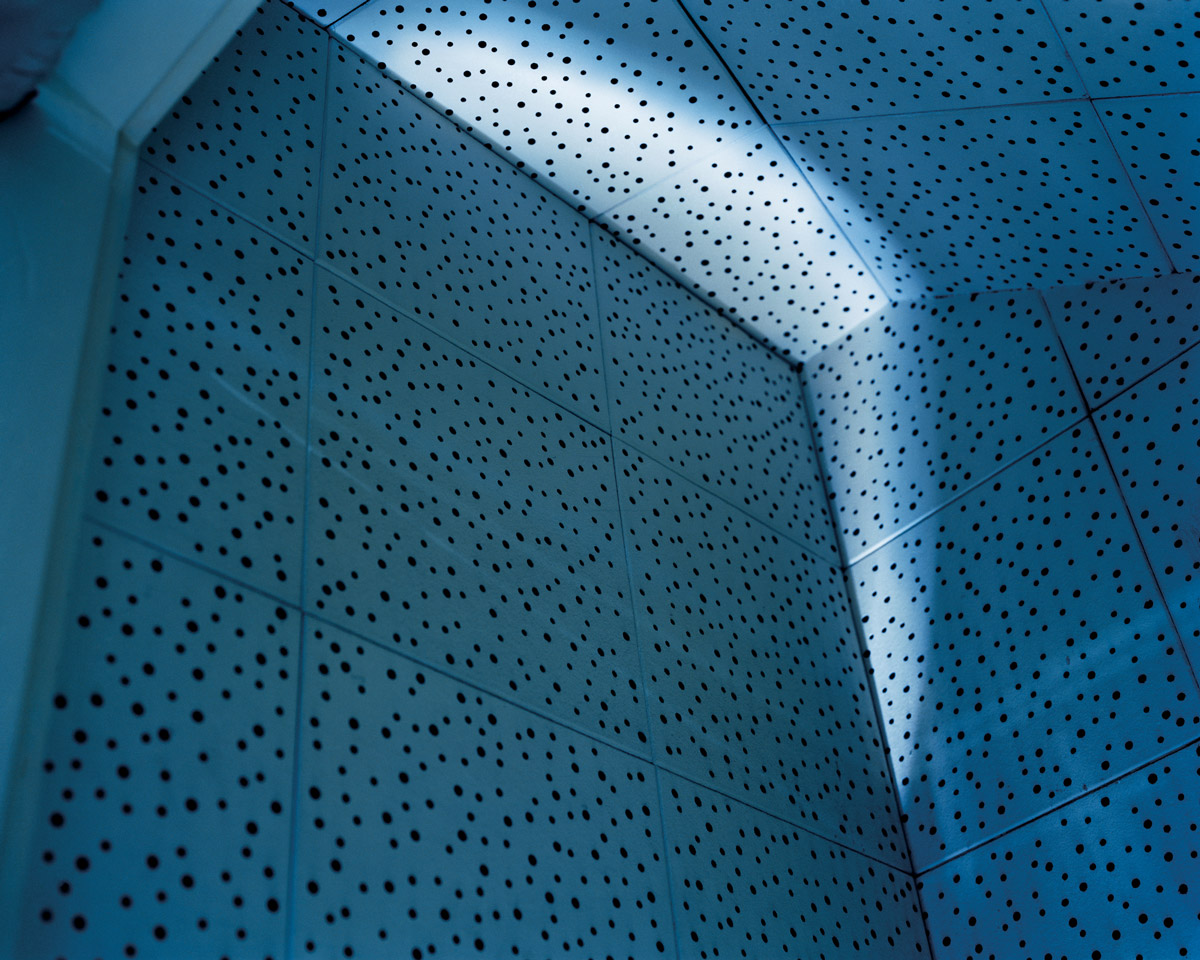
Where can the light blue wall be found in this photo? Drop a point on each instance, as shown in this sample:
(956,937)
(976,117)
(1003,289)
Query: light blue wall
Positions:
(1015,481)
(452,582)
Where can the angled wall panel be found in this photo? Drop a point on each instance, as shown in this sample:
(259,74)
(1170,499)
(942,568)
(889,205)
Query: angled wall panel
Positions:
(248,132)
(753,673)
(438,820)
(688,388)
(466,519)
(746,884)
(203,418)
(429,220)
(1117,333)
(1110,875)
(166,797)
(925,401)
(1158,140)
(1020,649)
(1152,435)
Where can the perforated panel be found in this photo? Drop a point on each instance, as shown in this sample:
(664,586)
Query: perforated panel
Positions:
(744,227)
(599,98)
(1117,333)
(752,667)
(1109,877)
(1152,434)
(424,217)
(248,131)
(325,11)
(749,885)
(928,399)
(843,60)
(164,820)
(457,514)
(438,821)
(1020,650)
(687,386)
(1159,142)
(980,199)
(200,444)
(1126,47)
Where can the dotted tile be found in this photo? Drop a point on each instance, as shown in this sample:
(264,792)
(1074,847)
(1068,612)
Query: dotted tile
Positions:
(809,60)
(165,789)
(467,520)
(752,667)
(1118,333)
(427,219)
(201,433)
(439,821)
(748,885)
(688,387)
(248,131)
(926,400)
(984,199)
(1020,651)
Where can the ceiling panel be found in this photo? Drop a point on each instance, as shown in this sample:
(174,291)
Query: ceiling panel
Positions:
(807,60)
(744,228)
(1126,47)
(1020,653)
(983,199)
(599,98)
(1117,333)
(1152,435)
(1112,875)
(1158,138)
(927,400)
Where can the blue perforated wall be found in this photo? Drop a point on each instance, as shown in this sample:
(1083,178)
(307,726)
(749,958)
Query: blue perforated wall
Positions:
(453,583)
(1014,479)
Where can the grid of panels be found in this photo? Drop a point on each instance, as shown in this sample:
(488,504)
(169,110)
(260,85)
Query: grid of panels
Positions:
(248,131)
(801,61)
(1127,47)
(439,821)
(748,885)
(600,99)
(1112,875)
(1158,140)
(698,394)
(1152,435)
(1180,409)
(164,816)
(430,221)
(925,401)
(204,406)
(1117,333)
(751,663)
(981,199)
(1020,651)
(742,226)
(467,519)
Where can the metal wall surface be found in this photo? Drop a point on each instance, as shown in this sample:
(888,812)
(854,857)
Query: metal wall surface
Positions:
(379,630)
(1017,500)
